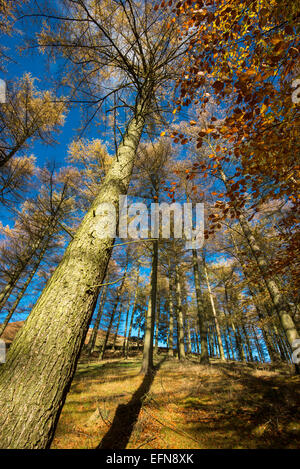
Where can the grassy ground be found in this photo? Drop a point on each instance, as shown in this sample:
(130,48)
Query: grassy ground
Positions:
(183,406)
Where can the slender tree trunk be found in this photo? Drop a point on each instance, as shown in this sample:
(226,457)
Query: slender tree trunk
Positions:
(180,338)
(171,320)
(222,356)
(112,316)
(281,346)
(117,328)
(41,363)
(197,337)
(189,342)
(257,344)
(157,319)
(247,341)
(227,347)
(238,341)
(216,344)
(202,320)
(147,363)
(126,324)
(228,332)
(93,336)
(126,342)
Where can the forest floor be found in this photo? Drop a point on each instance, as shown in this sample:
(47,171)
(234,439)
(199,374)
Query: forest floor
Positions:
(181,406)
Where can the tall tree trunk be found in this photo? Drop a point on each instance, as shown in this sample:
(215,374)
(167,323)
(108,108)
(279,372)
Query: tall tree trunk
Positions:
(197,338)
(41,363)
(118,326)
(171,319)
(147,363)
(113,313)
(257,344)
(238,342)
(247,341)
(222,356)
(126,341)
(189,341)
(126,325)
(180,325)
(157,319)
(228,333)
(202,319)
(227,346)
(93,336)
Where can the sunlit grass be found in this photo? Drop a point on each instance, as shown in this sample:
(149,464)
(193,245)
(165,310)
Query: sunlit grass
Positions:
(187,406)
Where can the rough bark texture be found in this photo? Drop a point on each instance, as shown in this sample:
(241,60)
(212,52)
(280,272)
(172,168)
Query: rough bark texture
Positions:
(42,360)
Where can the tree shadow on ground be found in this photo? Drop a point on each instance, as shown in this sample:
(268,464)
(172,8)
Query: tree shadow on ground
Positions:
(126,415)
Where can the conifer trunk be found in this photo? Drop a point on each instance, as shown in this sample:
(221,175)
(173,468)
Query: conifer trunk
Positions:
(112,316)
(147,363)
(180,325)
(157,319)
(219,339)
(126,342)
(171,321)
(202,319)
(93,336)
